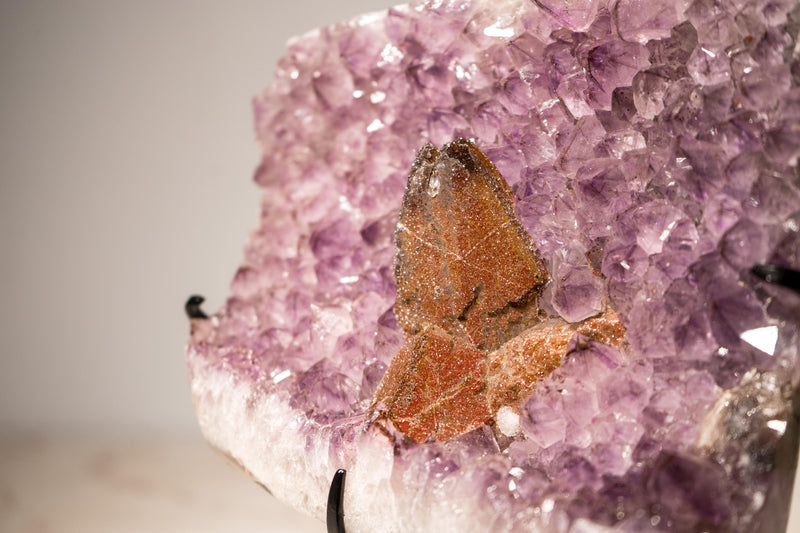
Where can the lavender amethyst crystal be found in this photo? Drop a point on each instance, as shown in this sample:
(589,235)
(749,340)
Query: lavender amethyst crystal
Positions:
(654,143)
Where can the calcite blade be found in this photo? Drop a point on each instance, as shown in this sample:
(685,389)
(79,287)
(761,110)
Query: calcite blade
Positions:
(514,369)
(439,387)
(464,263)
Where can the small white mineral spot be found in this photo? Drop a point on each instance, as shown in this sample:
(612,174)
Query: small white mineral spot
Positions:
(508,421)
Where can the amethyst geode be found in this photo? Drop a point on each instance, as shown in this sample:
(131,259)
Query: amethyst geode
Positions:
(654,143)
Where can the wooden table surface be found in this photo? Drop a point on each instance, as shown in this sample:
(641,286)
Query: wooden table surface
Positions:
(111,484)
(66,484)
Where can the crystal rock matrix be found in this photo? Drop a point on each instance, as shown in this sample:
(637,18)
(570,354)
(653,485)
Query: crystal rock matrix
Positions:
(654,143)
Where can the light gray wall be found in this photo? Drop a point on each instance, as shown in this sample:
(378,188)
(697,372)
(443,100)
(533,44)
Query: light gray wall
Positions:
(126,155)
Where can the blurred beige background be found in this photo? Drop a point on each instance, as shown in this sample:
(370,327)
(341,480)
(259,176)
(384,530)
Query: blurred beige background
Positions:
(126,155)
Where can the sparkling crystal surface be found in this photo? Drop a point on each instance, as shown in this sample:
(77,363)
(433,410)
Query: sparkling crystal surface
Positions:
(652,151)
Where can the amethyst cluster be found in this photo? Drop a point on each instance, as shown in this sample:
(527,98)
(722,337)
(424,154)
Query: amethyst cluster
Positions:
(652,142)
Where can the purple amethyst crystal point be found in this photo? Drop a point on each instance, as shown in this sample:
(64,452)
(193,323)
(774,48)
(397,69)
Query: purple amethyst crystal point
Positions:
(652,151)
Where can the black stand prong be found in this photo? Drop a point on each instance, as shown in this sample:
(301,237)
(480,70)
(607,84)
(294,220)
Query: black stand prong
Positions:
(785,277)
(335,514)
(192,307)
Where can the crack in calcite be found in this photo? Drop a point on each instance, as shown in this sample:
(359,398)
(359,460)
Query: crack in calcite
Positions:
(468,283)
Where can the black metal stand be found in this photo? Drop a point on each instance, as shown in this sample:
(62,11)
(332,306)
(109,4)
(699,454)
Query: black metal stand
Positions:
(192,307)
(335,514)
(785,277)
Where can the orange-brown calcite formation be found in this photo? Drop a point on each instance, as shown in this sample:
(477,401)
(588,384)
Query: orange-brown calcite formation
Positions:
(468,283)
(515,367)
(439,387)
(464,262)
